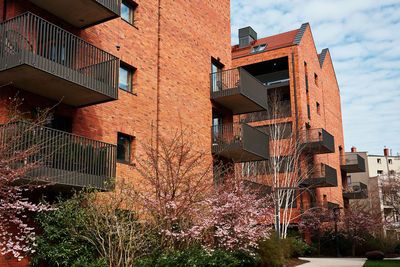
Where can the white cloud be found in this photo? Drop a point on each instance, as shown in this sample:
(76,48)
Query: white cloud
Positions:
(363,37)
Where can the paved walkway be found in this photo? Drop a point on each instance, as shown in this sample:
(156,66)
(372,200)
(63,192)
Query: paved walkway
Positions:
(334,262)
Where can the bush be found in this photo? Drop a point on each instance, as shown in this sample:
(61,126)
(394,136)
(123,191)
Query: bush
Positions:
(59,243)
(199,257)
(375,255)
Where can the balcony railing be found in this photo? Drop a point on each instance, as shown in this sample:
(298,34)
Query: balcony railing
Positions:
(59,157)
(42,58)
(82,13)
(238,91)
(239,142)
(321,176)
(283,111)
(356,190)
(318,141)
(352,163)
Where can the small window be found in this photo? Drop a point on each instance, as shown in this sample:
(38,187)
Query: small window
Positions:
(308,112)
(379,161)
(126,78)
(258,48)
(318,108)
(124,148)
(348,179)
(379,172)
(316,79)
(127,11)
(390,161)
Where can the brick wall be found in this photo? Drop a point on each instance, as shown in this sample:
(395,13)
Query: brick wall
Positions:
(191,33)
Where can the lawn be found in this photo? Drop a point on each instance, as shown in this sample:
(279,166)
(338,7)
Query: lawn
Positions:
(384,263)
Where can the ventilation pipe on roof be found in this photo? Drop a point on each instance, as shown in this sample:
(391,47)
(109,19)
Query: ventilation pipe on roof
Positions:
(353,149)
(246,36)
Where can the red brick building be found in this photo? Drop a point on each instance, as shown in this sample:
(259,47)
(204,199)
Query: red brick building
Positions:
(309,97)
(118,68)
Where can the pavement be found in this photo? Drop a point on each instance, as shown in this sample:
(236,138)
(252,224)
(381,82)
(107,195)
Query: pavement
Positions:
(333,262)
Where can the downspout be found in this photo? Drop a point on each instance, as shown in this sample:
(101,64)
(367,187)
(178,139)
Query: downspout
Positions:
(158,83)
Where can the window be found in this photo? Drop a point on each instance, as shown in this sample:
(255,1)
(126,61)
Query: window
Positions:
(390,161)
(308,112)
(348,179)
(316,79)
(124,148)
(379,161)
(318,108)
(379,172)
(126,78)
(258,48)
(127,11)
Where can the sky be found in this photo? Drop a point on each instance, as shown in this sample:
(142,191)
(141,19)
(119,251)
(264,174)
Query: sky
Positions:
(363,37)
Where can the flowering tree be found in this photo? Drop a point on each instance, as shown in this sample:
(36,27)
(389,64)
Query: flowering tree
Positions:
(177,192)
(173,182)
(391,197)
(358,223)
(314,222)
(16,164)
(240,214)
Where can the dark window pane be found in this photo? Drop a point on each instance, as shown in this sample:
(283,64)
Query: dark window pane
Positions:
(124,148)
(127,12)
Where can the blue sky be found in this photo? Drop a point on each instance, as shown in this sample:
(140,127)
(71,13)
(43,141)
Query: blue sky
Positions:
(363,37)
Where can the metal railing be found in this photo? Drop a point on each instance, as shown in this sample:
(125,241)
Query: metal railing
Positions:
(283,111)
(227,134)
(356,187)
(352,159)
(318,135)
(61,157)
(29,39)
(113,5)
(225,80)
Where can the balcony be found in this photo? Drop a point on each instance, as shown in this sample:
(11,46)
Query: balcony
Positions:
(356,191)
(238,91)
(322,176)
(239,142)
(282,111)
(82,13)
(351,163)
(318,141)
(42,58)
(62,158)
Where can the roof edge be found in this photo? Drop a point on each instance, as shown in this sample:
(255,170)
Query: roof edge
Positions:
(322,56)
(300,33)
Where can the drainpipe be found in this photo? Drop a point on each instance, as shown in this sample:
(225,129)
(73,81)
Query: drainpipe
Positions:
(158,83)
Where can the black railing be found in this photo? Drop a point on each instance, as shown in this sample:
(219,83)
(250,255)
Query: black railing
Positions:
(239,137)
(322,175)
(318,141)
(238,82)
(283,111)
(352,163)
(61,157)
(113,5)
(355,190)
(29,39)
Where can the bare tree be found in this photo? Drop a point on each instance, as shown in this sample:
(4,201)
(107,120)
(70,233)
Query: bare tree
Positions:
(286,169)
(390,189)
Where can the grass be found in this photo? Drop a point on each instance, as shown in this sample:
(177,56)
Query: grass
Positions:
(384,263)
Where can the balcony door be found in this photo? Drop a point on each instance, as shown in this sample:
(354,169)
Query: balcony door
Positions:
(216,127)
(216,76)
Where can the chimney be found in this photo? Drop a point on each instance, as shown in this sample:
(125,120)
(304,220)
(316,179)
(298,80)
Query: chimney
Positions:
(246,36)
(353,149)
(386,152)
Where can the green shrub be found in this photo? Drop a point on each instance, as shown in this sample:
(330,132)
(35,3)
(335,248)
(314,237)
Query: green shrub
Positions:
(59,243)
(200,258)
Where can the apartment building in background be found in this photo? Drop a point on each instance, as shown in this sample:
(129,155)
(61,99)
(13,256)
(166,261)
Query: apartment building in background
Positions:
(365,187)
(120,72)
